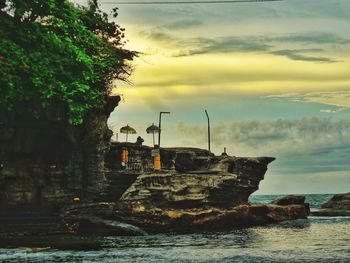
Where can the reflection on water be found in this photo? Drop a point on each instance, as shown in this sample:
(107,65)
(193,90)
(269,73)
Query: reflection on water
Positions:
(314,240)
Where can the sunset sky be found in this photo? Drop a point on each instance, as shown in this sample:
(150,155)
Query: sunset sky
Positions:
(274,77)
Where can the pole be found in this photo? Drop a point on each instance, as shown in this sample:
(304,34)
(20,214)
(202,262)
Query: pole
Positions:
(206,113)
(160,125)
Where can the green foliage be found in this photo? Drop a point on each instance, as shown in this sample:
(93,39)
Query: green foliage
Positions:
(51,50)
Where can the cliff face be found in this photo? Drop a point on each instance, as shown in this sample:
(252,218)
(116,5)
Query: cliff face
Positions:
(199,180)
(46,161)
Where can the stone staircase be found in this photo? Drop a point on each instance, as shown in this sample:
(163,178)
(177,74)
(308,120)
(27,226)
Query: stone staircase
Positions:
(118,183)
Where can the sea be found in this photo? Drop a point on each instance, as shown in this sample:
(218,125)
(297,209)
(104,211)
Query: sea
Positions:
(316,239)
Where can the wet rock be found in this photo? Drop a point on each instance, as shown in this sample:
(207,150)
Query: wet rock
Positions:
(213,219)
(135,219)
(330,212)
(290,200)
(97,219)
(338,202)
(338,205)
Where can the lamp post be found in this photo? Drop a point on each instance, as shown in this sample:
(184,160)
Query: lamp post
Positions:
(206,113)
(160,124)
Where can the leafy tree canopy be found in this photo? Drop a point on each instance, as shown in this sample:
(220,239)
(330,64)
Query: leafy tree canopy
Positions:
(51,50)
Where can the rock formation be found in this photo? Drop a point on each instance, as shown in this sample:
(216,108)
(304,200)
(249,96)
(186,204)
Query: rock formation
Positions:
(202,181)
(47,161)
(92,218)
(290,200)
(195,190)
(338,205)
(338,202)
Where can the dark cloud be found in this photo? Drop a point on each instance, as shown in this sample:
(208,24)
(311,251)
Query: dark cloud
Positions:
(197,46)
(222,45)
(183,24)
(299,54)
(310,38)
(159,35)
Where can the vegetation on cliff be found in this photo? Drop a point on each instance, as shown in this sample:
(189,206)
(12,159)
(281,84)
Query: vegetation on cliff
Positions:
(54,52)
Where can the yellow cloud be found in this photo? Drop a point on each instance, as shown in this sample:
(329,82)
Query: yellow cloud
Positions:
(235,73)
(340,99)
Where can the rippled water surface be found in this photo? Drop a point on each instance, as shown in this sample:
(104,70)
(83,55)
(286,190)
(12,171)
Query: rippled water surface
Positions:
(318,239)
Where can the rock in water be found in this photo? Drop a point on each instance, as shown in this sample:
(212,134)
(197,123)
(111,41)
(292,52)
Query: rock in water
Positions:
(189,220)
(339,205)
(339,202)
(290,200)
(97,219)
(133,219)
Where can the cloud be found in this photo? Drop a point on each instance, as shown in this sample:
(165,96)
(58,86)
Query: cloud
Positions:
(319,38)
(183,24)
(302,146)
(297,54)
(222,45)
(339,99)
(194,46)
(332,111)
(262,44)
(276,136)
(159,35)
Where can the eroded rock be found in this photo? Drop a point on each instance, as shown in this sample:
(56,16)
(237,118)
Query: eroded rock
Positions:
(290,200)
(46,161)
(221,181)
(180,220)
(338,202)
(338,205)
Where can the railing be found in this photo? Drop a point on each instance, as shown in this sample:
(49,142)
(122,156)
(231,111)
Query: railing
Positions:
(137,163)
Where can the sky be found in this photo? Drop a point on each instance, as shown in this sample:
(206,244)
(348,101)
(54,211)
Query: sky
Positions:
(274,78)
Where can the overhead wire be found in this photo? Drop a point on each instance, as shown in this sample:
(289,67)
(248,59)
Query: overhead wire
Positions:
(186,2)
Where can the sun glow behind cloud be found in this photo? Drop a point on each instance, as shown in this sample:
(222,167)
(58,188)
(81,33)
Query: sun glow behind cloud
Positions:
(236,73)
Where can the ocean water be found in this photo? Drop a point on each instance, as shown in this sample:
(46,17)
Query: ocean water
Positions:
(317,239)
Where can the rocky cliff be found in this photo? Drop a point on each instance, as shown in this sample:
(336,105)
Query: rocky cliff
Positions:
(47,166)
(202,181)
(47,161)
(195,191)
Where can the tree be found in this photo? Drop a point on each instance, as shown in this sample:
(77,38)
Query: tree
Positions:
(52,51)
